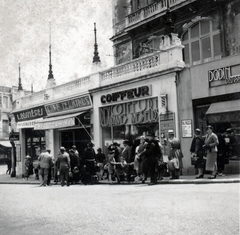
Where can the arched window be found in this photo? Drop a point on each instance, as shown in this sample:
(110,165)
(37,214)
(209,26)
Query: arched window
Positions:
(202,42)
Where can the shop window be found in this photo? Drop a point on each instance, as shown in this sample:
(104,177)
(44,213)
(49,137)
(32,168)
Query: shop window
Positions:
(202,42)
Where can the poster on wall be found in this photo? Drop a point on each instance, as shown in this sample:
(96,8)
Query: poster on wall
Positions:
(18,152)
(187,128)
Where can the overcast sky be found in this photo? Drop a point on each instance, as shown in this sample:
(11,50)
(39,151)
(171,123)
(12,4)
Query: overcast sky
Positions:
(24,39)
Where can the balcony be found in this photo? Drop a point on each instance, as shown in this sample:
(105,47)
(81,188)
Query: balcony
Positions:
(169,57)
(152,10)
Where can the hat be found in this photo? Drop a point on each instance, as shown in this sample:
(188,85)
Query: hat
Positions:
(74,146)
(142,137)
(198,130)
(99,149)
(28,156)
(150,133)
(62,148)
(209,127)
(111,149)
(229,130)
(90,144)
(116,144)
(170,132)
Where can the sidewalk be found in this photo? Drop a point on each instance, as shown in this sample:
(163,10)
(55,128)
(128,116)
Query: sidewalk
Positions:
(7,179)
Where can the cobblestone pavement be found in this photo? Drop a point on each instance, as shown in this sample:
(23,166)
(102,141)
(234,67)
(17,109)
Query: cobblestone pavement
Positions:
(120,209)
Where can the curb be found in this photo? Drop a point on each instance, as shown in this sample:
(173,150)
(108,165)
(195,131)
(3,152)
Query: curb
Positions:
(177,181)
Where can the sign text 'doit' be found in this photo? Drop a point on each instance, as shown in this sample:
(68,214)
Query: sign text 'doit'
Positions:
(135,112)
(127,94)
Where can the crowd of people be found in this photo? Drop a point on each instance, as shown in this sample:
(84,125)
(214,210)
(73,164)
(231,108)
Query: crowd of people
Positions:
(136,160)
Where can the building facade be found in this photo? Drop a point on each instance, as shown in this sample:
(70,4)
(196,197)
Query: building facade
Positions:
(208,86)
(176,67)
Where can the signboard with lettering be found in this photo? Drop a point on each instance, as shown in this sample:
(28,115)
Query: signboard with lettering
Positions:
(70,104)
(129,94)
(14,136)
(30,114)
(45,125)
(27,124)
(223,76)
(187,128)
(130,113)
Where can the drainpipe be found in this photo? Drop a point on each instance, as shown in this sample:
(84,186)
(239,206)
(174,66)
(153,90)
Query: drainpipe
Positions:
(177,118)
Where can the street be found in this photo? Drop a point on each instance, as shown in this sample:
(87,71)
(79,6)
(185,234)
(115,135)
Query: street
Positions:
(120,209)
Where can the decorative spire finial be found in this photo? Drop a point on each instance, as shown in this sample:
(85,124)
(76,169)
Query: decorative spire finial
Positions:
(19,81)
(50,73)
(96,58)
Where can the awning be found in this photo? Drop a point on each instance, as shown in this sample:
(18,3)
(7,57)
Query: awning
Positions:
(224,107)
(5,143)
(57,122)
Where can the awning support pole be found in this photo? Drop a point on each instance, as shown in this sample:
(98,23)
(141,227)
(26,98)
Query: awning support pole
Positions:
(84,128)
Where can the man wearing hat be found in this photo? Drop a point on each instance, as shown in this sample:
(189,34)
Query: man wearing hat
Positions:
(197,152)
(45,160)
(153,155)
(63,166)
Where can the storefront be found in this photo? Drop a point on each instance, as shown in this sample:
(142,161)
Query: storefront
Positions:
(64,122)
(215,100)
(134,109)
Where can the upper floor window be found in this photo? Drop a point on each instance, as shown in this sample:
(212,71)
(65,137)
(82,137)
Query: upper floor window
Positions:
(202,42)
(138,4)
(5,102)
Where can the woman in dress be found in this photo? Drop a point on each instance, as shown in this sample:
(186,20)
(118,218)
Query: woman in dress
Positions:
(211,143)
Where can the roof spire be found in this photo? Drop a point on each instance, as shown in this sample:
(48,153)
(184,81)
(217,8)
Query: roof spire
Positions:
(50,73)
(96,58)
(19,81)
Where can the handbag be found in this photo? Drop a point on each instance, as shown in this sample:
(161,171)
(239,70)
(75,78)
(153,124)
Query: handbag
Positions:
(193,161)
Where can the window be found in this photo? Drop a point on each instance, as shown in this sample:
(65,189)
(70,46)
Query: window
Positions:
(202,42)
(5,102)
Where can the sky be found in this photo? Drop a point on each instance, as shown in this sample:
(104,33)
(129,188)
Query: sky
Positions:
(24,38)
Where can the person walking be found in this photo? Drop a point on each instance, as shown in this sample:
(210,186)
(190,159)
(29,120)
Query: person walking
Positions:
(75,164)
(45,161)
(63,166)
(9,165)
(197,152)
(175,154)
(211,143)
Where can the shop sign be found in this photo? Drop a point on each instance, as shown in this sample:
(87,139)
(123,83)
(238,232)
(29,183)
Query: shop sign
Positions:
(70,104)
(223,76)
(14,136)
(30,114)
(187,128)
(136,112)
(27,124)
(127,94)
(55,124)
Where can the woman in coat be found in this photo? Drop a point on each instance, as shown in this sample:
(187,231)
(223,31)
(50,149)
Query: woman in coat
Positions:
(197,152)
(211,143)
